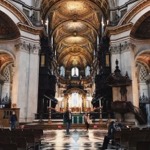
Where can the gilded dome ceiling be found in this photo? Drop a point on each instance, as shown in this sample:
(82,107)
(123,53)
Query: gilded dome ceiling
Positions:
(75,40)
(74,26)
(71,7)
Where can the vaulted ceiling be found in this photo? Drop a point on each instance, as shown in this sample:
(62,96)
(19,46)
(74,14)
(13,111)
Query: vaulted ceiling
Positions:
(74,26)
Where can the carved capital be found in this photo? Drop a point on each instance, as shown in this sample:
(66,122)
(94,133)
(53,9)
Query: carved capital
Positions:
(35,49)
(122,47)
(28,47)
(22,46)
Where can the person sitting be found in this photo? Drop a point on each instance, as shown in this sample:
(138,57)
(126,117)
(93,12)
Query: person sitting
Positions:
(112,128)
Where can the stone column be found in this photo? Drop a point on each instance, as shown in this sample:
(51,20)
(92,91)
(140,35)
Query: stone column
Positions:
(33,78)
(20,79)
(25,80)
(134,91)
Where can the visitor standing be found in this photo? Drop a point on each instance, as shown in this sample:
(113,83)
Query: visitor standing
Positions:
(68,120)
(87,121)
(13,120)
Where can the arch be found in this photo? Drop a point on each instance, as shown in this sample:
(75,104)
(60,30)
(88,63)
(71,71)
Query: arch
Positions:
(72,90)
(8,59)
(141,51)
(9,29)
(139,23)
(14,13)
(21,21)
(135,13)
(8,52)
(131,20)
(142,57)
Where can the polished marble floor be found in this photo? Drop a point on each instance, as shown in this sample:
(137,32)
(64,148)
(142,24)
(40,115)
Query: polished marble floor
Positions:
(77,140)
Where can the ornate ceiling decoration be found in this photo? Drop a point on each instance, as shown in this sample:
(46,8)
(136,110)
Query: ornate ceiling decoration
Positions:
(8,30)
(5,58)
(48,4)
(74,26)
(144,57)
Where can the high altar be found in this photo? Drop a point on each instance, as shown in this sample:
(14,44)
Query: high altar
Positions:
(77,101)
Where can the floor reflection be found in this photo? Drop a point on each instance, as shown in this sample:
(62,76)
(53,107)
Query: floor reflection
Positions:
(77,140)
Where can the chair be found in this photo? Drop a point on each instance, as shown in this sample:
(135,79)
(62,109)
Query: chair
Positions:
(117,137)
(32,141)
(137,136)
(5,139)
(37,133)
(20,142)
(125,137)
(143,145)
(8,147)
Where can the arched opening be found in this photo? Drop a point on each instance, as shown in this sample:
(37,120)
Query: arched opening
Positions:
(8,31)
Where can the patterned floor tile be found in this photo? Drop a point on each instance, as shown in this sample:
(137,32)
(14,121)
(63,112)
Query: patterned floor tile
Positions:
(76,140)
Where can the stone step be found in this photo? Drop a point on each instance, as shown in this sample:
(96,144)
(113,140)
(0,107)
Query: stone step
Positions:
(63,126)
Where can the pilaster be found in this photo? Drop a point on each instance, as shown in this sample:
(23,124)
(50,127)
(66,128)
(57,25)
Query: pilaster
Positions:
(33,81)
(25,79)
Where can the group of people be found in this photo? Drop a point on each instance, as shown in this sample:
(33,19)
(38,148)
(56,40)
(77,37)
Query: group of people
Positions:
(112,128)
(68,120)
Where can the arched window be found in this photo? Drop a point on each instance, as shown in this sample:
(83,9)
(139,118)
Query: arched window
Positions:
(62,71)
(75,72)
(87,71)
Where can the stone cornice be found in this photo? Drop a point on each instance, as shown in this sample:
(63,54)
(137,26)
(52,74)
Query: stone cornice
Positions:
(118,29)
(29,29)
(122,47)
(14,10)
(134,11)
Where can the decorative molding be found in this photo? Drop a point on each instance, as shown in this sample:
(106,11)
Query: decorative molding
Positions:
(29,29)
(28,47)
(118,29)
(122,47)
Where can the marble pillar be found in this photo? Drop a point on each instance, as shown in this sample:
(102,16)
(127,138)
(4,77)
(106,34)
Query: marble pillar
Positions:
(25,80)
(33,76)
